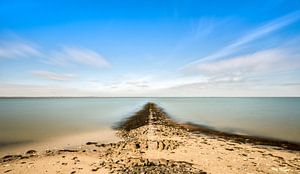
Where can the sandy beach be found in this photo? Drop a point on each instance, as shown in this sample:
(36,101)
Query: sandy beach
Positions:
(151,142)
(104,135)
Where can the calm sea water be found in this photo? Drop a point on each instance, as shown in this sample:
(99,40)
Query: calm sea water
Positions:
(41,118)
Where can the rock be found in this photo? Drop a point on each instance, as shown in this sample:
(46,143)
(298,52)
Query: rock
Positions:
(163,161)
(7,171)
(10,158)
(101,145)
(95,169)
(229,149)
(140,165)
(68,150)
(161,146)
(155,162)
(24,157)
(31,152)
(91,143)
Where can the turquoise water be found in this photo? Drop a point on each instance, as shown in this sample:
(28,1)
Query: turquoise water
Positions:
(41,118)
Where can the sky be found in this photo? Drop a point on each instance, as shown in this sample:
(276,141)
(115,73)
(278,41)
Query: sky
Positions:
(120,48)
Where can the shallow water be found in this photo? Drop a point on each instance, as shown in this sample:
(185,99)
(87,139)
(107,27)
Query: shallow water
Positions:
(35,119)
(277,118)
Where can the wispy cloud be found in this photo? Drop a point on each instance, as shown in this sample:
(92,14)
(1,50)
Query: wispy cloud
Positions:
(244,69)
(206,26)
(127,82)
(257,33)
(77,55)
(20,90)
(18,49)
(52,76)
(261,61)
(246,75)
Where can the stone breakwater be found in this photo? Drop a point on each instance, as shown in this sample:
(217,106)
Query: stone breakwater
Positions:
(149,130)
(151,142)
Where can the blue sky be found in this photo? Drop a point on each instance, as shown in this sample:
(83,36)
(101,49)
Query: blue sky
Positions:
(150,48)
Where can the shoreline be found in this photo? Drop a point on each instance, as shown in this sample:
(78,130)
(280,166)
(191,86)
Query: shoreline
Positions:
(103,135)
(256,140)
(151,142)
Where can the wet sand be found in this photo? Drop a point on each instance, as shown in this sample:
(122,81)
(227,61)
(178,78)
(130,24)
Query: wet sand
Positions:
(104,135)
(151,142)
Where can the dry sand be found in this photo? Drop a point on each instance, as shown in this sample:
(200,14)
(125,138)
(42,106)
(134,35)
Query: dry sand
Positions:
(153,143)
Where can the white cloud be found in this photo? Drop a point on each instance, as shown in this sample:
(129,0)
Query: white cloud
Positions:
(77,55)
(52,76)
(249,74)
(262,61)
(17,49)
(257,33)
(26,90)
(259,66)
(230,90)
(125,82)
(246,75)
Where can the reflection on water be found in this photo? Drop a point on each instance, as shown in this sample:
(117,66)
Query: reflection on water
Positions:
(42,118)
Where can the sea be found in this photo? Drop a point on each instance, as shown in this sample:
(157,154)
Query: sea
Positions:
(38,119)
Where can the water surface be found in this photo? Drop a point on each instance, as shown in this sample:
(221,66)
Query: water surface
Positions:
(36,119)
